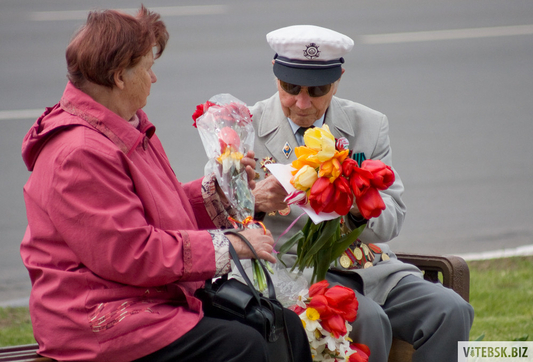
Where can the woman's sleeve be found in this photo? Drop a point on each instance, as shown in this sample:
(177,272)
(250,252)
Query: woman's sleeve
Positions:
(207,205)
(94,206)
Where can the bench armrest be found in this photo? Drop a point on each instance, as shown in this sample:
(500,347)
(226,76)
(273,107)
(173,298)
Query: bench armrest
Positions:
(454,269)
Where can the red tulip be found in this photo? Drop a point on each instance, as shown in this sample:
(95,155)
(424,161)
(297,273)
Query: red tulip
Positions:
(296,309)
(370,204)
(321,304)
(200,110)
(334,324)
(362,353)
(383,176)
(360,181)
(343,196)
(318,288)
(321,194)
(343,301)
(348,166)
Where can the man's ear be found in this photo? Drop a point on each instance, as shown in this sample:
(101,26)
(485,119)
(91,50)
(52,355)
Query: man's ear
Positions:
(118,77)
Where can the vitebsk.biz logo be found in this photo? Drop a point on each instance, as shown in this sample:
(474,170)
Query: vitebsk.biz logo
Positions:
(495,352)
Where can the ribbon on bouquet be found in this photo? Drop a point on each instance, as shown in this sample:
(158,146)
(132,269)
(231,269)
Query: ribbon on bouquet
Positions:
(249,220)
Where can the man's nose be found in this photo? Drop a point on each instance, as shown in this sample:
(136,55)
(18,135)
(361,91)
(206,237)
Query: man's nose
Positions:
(303,100)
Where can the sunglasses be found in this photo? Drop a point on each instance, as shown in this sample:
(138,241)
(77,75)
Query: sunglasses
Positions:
(315,91)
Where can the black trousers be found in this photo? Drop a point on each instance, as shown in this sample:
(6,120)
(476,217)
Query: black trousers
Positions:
(218,340)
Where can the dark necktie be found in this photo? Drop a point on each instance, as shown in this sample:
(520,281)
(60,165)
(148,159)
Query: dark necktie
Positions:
(301,132)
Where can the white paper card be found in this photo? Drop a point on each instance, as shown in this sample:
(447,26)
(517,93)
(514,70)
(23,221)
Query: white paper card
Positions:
(283,174)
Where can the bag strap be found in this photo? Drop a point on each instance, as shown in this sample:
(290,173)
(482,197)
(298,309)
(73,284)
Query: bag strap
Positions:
(279,321)
(236,260)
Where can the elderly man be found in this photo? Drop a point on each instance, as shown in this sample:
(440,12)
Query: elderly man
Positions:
(394,299)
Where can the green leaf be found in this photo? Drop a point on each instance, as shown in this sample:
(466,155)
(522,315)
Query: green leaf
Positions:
(326,235)
(290,243)
(322,263)
(343,243)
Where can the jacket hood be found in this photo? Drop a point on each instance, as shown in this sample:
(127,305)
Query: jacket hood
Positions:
(77,108)
(42,130)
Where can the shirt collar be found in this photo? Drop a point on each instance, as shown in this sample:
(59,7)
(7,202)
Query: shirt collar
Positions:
(318,123)
(299,138)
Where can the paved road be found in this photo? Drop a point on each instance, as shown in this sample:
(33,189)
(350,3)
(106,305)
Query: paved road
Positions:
(455,79)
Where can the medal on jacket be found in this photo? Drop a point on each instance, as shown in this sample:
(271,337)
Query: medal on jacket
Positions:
(361,256)
(264,162)
(287,150)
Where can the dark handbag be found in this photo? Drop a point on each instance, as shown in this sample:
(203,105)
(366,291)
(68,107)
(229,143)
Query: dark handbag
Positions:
(231,299)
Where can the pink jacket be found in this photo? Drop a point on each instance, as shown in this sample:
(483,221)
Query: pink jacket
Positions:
(115,245)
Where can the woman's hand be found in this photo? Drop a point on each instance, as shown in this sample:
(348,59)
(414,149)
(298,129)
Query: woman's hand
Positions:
(248,161)
(269,195)
(262,243)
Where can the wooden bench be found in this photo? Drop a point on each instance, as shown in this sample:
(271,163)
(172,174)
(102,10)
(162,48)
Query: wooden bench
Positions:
(27,353)
(455,275)
(453,269)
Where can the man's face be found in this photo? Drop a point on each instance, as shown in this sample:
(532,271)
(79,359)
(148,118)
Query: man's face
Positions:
(303,109)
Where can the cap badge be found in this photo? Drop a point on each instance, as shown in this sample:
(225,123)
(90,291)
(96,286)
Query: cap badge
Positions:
(311,51)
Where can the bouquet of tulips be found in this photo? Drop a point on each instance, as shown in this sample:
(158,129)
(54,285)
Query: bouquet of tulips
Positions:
(225,126)
(326,313)
(325,183)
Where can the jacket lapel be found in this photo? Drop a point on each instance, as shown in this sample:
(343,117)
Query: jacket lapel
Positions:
(276,131)
(342,126)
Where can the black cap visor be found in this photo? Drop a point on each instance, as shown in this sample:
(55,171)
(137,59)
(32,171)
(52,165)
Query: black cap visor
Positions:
(307,76)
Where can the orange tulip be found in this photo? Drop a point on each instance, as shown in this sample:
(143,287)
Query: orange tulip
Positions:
(330,169)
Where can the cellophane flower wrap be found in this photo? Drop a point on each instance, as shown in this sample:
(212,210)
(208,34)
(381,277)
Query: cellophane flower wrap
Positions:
(225,127)
(329,181)
(226,131)
(326,313)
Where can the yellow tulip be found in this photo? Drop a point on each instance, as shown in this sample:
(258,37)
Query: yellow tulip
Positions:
(321,140)
(304,178)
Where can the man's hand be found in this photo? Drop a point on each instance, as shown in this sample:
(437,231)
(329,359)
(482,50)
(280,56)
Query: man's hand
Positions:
(248,161)
(269,195)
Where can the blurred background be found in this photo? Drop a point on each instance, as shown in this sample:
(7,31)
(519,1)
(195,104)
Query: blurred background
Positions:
(455,79)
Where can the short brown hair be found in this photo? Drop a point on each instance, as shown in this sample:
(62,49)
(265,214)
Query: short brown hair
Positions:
(110,41)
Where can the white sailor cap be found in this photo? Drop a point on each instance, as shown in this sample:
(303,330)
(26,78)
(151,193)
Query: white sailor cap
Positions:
(308,55)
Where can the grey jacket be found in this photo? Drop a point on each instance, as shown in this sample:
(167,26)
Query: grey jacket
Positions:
(367,133)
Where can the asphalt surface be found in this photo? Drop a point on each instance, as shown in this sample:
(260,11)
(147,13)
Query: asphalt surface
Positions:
(454,77)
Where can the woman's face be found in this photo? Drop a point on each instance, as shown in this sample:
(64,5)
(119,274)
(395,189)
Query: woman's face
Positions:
(138,81)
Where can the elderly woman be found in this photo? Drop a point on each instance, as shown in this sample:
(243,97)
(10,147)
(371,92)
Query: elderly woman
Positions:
(115,246)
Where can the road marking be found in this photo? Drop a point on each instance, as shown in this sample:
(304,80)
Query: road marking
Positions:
(496,254)
(21,114)
(445,34)
(163,11)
